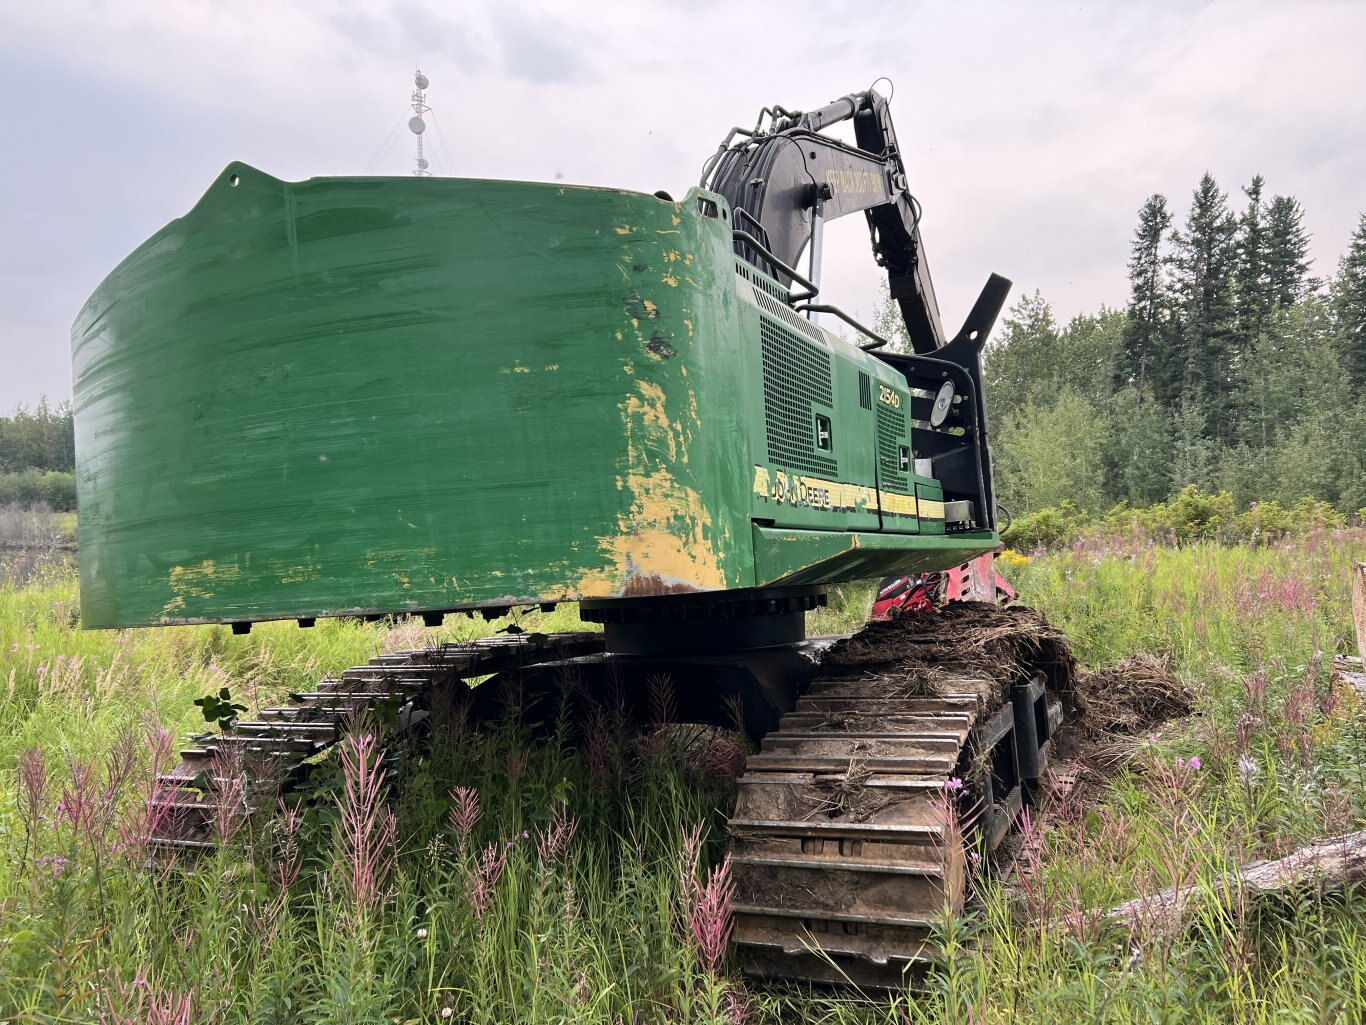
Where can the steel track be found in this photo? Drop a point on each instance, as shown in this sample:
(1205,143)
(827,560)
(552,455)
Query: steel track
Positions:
(230,777)
(848,839)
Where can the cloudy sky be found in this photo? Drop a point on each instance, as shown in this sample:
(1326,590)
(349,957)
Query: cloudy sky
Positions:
(1032,130)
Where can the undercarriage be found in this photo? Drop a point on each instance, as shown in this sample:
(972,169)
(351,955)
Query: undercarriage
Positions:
(882,763)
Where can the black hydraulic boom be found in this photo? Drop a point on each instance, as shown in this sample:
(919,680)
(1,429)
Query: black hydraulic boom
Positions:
(784,179)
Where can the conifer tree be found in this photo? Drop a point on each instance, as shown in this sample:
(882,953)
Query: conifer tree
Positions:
(1022,364)
(1349,306)
(1204,262)
(1287,252)
(1253,283)
(1146,354)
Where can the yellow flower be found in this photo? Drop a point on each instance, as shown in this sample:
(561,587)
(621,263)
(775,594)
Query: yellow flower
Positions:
(1011,559)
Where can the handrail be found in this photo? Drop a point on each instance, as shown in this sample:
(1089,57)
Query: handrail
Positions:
(739,235)
(878,340)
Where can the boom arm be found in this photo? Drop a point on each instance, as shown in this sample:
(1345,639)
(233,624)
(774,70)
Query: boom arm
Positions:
(787,178)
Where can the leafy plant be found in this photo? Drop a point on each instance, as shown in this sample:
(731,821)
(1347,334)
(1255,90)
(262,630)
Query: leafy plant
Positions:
(220,708)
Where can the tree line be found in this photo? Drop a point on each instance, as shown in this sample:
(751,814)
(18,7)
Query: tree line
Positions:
(38,457)
(1232,368)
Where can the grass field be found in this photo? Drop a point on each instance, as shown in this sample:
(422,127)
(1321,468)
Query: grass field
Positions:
(570,881)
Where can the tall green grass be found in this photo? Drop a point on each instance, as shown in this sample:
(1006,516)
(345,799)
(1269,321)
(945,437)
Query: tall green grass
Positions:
(576,877)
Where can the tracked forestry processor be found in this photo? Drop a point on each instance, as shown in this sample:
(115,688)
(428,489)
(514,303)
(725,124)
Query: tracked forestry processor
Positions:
(380,396)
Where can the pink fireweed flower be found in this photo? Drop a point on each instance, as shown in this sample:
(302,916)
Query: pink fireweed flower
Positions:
(364,855)
(552,841)
(737,1007)
(711,918)
(32,786)
(689,857)
(145,1002)
(289,851)
(483,879)
(464,814)
(954,784)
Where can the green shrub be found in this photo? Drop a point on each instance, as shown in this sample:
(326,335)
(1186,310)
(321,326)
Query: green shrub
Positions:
(1191,517)
(1264,520)
(55,488)
(1047,528)
(1310,514)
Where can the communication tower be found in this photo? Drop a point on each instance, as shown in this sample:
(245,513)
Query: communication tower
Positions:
(415,123)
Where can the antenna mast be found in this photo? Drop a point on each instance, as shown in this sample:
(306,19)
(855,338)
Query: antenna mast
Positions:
(415,123)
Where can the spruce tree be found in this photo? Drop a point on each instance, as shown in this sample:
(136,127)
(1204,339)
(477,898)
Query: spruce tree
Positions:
(1146,356)
(1208,351)
(1349,306)
(1287,252)
(1253,284)
(1022,364)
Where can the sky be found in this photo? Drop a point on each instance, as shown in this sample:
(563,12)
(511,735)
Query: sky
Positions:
(1032,131)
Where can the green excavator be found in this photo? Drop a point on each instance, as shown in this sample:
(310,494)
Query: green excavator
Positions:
(381,396)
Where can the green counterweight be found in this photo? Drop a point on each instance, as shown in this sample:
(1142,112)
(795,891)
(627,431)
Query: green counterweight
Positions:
(375,395)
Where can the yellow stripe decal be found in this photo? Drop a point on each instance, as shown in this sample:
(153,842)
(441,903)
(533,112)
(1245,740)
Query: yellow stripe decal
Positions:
(783,488)
(897,505)
(792,489)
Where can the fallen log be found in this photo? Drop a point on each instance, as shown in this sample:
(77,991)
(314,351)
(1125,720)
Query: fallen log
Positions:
(1325,865)
(1349,672)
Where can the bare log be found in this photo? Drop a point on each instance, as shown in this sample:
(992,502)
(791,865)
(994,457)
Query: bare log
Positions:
(1350,672)
(1325,865)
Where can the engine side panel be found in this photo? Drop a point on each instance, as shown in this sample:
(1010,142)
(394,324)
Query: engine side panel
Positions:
(378,395)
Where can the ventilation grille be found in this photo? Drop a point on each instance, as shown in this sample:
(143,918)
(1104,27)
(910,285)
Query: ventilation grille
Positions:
(796,375)
(787,315)
(891,435)
(865,390)
(759,281)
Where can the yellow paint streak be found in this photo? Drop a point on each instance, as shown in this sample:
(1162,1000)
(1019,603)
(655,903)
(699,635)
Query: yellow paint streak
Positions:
(664,538)
(197,582)
(301,574)
(651,310)
(689,325)
(649,406)
(622,230)
(671,256)
(670,280)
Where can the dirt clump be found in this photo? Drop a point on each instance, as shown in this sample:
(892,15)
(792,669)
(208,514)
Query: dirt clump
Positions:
(977,640)
(1103,711)
(1135,694)
(1114,707)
